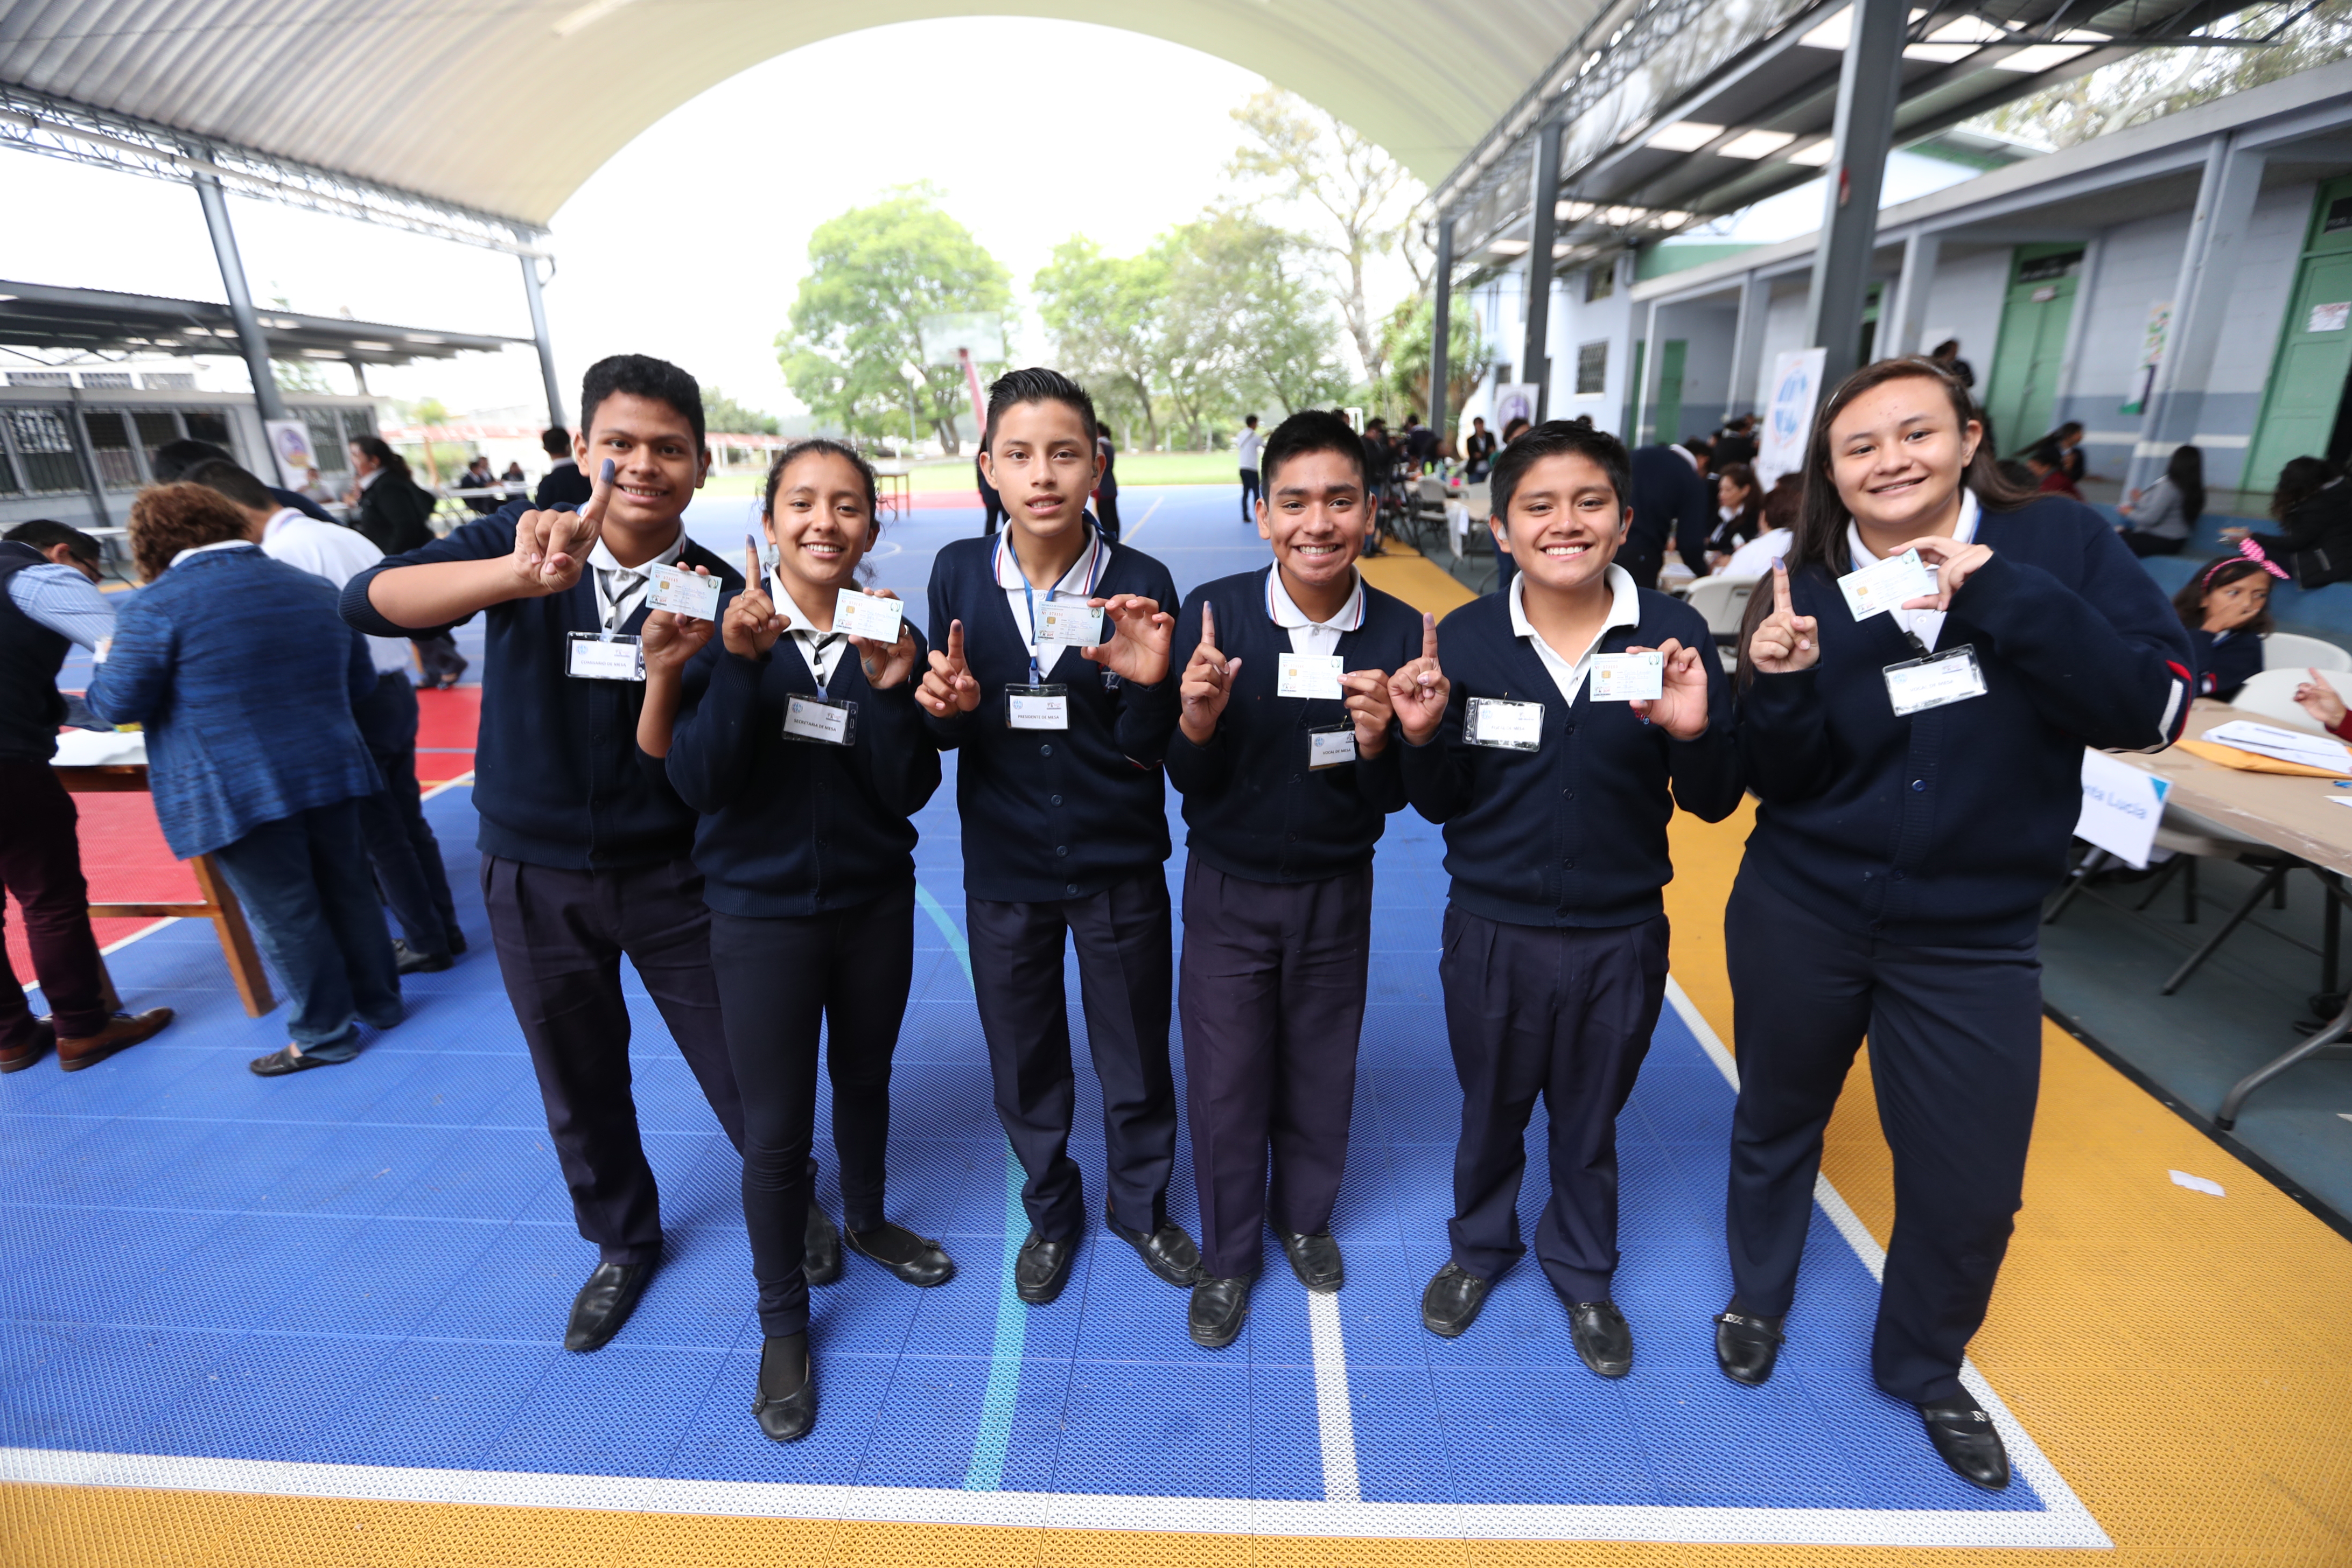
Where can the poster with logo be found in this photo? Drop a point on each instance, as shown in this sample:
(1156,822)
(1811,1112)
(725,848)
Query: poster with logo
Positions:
(1789,414)
(290,443)
(1513,400)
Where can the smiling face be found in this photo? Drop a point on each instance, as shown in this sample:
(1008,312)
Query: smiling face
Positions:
(1315,517)
(1896,454)
(657,465)
(2237,601)
(1043,466)
(1565,523)
(822,527)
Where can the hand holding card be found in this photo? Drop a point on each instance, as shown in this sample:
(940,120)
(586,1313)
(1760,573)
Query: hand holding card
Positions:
(684,593)
(866,615)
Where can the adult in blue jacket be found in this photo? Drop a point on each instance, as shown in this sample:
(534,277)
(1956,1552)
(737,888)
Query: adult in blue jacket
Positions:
(1919,757)
(244,679)
(1674,503)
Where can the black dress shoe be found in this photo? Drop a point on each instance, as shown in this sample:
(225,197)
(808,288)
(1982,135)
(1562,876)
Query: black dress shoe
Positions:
(1965,1439)
(1042,1266)
(1746,1347)
(406,959)
(456,942)
(604,1303)
(1451,1302)
(278,1064)
(785,1403)
(1604,1339)
(1167,1252)
(1316,1261)
(820,1248)
(916,1259)
(1219,1308)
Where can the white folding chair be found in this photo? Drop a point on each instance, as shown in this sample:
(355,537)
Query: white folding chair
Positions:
(2293,650)
(2269,695)
(1724,602)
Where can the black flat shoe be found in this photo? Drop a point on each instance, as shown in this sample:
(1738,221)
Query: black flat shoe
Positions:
(406,959)
(785,1403)
(1042,1267)
(1604,1339)
(278,1064)
(916,1259)
(820,1248)
(1747,1347)
(456,942)
(1316,1261)
(1965,1440)
(1451,1302)
(1167,1252)
(604,1303)
(1220,1308)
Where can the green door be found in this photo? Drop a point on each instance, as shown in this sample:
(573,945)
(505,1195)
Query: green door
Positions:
(2315,354)
(1671,355)
(2021,389)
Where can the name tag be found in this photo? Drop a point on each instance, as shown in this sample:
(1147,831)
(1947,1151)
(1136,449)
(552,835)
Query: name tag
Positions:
(1037,707)
(1332,746)
(1313,676)
(1918,684)
(867,616)
(816,720)
(1885,585)
(1628,677)
(684,593)
(1513,726)
(1071,625)
(587,657)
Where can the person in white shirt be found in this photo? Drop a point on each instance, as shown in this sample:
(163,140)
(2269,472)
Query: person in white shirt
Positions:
(1248,448)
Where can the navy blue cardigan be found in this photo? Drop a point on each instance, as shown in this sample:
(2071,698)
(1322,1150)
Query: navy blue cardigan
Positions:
(791,827)
(1948,827)
(556,779)
(1573,834)
(2222,668)
(1051,814)
(1253,808)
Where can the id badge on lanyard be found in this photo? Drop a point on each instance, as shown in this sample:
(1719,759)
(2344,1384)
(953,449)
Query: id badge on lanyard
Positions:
(820,720)
(1331,746)
(1039,705)
(591,656)
(1934,679)
(1511,726)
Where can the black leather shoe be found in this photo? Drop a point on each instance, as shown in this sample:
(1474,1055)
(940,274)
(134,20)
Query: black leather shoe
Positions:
(1746,1347)
(1451,1302)
(1604,1339)
(456,942)
(1043,1267)
(1167,1252)
(1316,1261)
(604,1303)
(278,1064)
(1220,1308)
(785,1403)
(820,1248)
(406,959)
(916,1259)
(1966,1441)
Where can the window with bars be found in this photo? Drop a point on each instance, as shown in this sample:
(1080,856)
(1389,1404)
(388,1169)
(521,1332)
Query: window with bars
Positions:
(157,427)
(1591,368)
(326,439)
(109,441)
(40,450)
(206,425)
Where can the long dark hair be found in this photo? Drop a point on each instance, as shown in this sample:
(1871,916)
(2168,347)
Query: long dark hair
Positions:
(2187,472)
(392,462)
(2298,481)
(1749,522)
(2191,601)
(813,446)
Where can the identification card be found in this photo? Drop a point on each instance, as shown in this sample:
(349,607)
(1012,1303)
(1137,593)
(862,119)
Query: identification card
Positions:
(684,593)
(816,720)
(867,616)
(1628,677)
(1886,585)
(1072,625)
(1037,707)
(1332,746)
(587,657)
(1918,684)
(1513,726)
(1313,676)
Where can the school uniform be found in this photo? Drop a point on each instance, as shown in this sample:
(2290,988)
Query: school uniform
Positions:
(1893,887)
(2224,661)
(1065,831)
(1278,911)
(807,858)
(585,858)
(1554,941)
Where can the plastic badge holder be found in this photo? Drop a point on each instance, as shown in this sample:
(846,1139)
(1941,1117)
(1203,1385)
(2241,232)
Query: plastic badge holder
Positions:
(588,657)
(1331,745)
(1918,684)
(1037,707)
(820,723)
(1512,726)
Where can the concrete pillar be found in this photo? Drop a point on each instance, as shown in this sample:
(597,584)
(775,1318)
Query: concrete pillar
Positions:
(539,335)
(1439,335)
(2209,265)
(1543,190)
(249,338)
(1645,395)
(1868,86)
(1900,327)
(1748,345)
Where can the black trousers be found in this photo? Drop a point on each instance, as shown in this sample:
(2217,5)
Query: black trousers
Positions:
(1106,513)
(2144,544)
(1122,936)
(1271,991)
(1566,1013)
(781,981)
(1249,492)
(1956,1058)
(401,844)
(559,936)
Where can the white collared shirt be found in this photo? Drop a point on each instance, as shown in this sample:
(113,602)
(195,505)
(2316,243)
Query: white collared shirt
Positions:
(1249,448)
(1308,636)
(216,544)
(1925,625)
(819,651)
(621,589)
(1624,610)
(1077,585)
(336,555)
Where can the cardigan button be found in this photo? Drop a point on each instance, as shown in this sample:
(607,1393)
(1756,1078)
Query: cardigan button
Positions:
(1056,799)
(1568,865)
(1917,785)
(1061,849)
(1071,888)
(1568,795)
(1046,750)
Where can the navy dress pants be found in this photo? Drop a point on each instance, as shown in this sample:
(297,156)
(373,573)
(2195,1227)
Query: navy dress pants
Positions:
(1125,978)
(304,881)
(406,855)
(1956,1058)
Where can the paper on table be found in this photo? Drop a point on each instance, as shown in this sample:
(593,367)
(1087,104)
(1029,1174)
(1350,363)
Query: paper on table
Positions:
(2286,746)
(101,748)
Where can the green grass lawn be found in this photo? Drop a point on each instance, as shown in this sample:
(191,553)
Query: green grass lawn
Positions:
(955,474)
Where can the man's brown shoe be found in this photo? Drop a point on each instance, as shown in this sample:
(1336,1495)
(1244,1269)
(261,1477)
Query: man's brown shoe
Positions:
(122,1031)
(17,1058)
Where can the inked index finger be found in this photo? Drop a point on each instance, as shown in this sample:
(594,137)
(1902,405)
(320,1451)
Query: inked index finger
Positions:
(955,642)
(1780,604)
(1428,635)
(600,496)
(750,560)
(1208,624)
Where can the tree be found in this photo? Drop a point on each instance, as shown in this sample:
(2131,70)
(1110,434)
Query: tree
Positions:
(1242,300)
(728,417)
(1103,312)
(875,272)
(1412,330)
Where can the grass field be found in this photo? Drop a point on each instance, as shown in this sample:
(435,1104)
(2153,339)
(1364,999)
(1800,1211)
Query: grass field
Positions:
(955,474)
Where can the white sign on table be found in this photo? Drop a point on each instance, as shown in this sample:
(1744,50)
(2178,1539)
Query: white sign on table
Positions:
(2121,806)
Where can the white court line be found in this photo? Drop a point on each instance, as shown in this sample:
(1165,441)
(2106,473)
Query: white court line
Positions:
(1127,534)
(1333,1411)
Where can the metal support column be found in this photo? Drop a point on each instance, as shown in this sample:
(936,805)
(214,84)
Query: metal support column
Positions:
(249,337)
(1747,346)
(539,335)
(88,453)
(1543,193)
(1909,317)
(1645,394)
(1440,331)
(2209,265)
(1868,85)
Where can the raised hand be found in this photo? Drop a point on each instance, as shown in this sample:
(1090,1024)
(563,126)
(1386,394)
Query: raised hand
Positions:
(1420,691)
(949,688)
(2319,700)
(551,547)
(886,664)
(670,639)
(1372,708)
(1954,563)
(1140,633)
(1680,707)
(1785,641)
(750,626)
(1208,682)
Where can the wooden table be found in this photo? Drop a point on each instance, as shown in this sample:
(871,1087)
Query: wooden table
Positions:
(219,904)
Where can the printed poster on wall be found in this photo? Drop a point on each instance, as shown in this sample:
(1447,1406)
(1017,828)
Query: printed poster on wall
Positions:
(290,443)
(2151,354)
(1789,414)
(1513,400)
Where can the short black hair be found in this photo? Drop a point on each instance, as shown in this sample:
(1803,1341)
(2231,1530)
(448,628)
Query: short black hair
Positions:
(170,461)
(1249,420)
(1037,384)
(555,441)
(640,376)
(45,534)
(1557,438)
(233,482)
(1313,430)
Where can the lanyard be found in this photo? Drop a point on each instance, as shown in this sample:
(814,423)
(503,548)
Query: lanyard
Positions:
(609,612)
(813,650)
(1029,597)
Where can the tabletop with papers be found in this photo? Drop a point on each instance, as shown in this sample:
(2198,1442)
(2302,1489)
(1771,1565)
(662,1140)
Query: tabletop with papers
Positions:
(2285,811)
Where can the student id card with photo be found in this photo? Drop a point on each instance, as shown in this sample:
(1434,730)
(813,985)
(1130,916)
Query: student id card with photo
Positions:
(1628,677)
(684,593)
(1886,584)
(1313,676)
(1069,624)
(867,616)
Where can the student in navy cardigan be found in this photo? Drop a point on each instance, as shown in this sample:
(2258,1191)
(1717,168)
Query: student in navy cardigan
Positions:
(1285,795)
(1919,770)
(1064,827)
(2227,609)
(585,857)
(1555,783)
